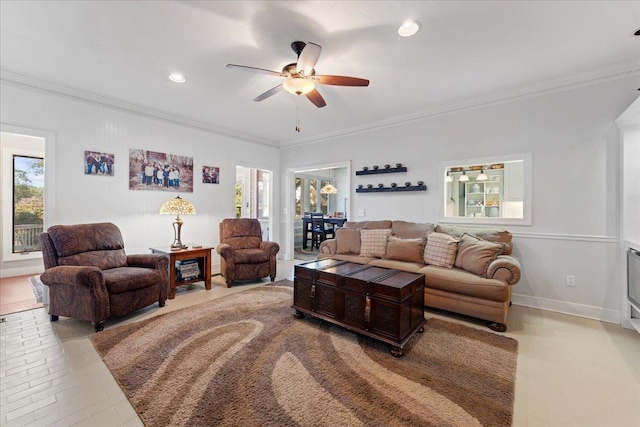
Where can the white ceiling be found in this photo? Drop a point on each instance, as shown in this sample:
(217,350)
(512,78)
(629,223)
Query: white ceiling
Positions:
(467,53)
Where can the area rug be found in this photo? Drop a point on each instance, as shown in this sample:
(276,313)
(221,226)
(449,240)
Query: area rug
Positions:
(244,360)
(38,288)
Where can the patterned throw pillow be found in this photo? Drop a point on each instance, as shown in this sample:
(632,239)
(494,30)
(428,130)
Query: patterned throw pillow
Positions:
(373,243)
(441,250)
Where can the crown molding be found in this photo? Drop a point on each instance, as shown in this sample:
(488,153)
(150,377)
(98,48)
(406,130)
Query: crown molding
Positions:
(615,72)
(611,73)
(25,81)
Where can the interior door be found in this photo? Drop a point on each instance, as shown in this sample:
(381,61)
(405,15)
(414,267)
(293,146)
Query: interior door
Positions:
(253,197)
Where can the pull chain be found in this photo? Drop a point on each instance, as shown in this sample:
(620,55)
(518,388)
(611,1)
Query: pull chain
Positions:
(297,116)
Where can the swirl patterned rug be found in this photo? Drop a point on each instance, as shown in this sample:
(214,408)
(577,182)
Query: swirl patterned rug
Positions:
(244,360)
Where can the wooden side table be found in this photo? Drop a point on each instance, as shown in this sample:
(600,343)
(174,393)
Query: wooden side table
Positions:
(203,255)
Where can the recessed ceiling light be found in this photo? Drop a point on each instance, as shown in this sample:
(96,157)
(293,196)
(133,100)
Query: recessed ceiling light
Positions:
(177,77)
(408,29)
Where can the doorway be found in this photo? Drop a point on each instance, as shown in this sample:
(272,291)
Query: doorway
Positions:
(305,194)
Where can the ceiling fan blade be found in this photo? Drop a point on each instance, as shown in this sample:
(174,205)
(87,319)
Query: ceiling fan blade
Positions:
(268,93)
(308,58)
(317,99)
(255,70)
(341,81)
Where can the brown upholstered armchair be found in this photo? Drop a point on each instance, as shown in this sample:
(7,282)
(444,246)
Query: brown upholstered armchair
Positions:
(91,278)
(243,253)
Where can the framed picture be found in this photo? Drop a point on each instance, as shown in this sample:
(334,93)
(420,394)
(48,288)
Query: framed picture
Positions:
(97,163)
(154,171)
(210,175)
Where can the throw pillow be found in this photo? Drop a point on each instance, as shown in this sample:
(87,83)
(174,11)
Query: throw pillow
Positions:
(411,250)
(373,243)
(347,241)
(441,250)
(475,254)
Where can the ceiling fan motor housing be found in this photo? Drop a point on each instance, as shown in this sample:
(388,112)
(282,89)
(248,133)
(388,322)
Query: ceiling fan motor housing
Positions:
(297,47)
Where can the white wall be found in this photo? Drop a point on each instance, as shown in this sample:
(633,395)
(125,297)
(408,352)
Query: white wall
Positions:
(576,190)
(80,198)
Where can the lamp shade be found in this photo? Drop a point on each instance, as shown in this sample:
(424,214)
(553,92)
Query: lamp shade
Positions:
(329,189)
(482,177)
(177,206)
(463,177)
(298,85)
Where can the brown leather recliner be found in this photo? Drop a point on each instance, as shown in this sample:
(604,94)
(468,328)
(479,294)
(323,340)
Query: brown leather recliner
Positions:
(91,278)
(243,253)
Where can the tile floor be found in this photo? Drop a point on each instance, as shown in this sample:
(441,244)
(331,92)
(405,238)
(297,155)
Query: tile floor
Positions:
(571,371)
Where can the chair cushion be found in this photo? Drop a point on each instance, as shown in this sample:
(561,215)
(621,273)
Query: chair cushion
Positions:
(98,245)
(102,259)
(250,256)
(241,233)
(125,279)
(368,225)
(410,230)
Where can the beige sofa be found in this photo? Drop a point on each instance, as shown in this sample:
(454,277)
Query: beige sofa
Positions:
(468,270)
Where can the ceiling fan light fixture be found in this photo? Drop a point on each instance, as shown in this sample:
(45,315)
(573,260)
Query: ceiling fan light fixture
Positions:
(298,86)
(177,78)
(408,28)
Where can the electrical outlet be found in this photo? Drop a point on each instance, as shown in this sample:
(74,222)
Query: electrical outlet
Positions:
(362,212)
(571,280)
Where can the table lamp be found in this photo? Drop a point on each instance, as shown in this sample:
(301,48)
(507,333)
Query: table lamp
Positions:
(177,206)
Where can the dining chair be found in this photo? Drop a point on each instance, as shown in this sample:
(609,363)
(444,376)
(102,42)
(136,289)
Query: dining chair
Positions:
(319,231)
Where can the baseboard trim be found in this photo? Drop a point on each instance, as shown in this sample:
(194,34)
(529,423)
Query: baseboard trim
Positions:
(574,309)
(20,271)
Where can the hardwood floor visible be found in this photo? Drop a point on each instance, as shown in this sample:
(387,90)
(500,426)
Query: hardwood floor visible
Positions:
(17,295)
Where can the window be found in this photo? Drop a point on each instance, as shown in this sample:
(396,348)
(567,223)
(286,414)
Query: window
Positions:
(28,203)
(491,190)
(309,197)
(24,191)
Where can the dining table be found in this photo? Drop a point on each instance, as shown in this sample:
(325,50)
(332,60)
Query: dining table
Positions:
(306,223)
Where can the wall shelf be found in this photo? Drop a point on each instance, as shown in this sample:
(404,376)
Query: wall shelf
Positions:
(391,189)
(377,171)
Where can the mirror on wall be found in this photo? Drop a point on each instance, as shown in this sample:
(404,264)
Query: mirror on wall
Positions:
(489,190)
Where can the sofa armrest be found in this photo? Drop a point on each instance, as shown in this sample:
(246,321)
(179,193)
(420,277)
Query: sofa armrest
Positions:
(271,247)
(505,268)
(74,276)
(157,261)
(329,247)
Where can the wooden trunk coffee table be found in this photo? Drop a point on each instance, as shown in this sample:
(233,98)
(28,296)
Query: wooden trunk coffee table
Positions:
(381,303)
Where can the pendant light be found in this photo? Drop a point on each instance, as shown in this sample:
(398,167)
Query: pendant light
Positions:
(482,176)
(448,178)
(464,177)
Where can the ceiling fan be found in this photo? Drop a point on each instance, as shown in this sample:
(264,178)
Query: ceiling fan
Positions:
(301,77)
